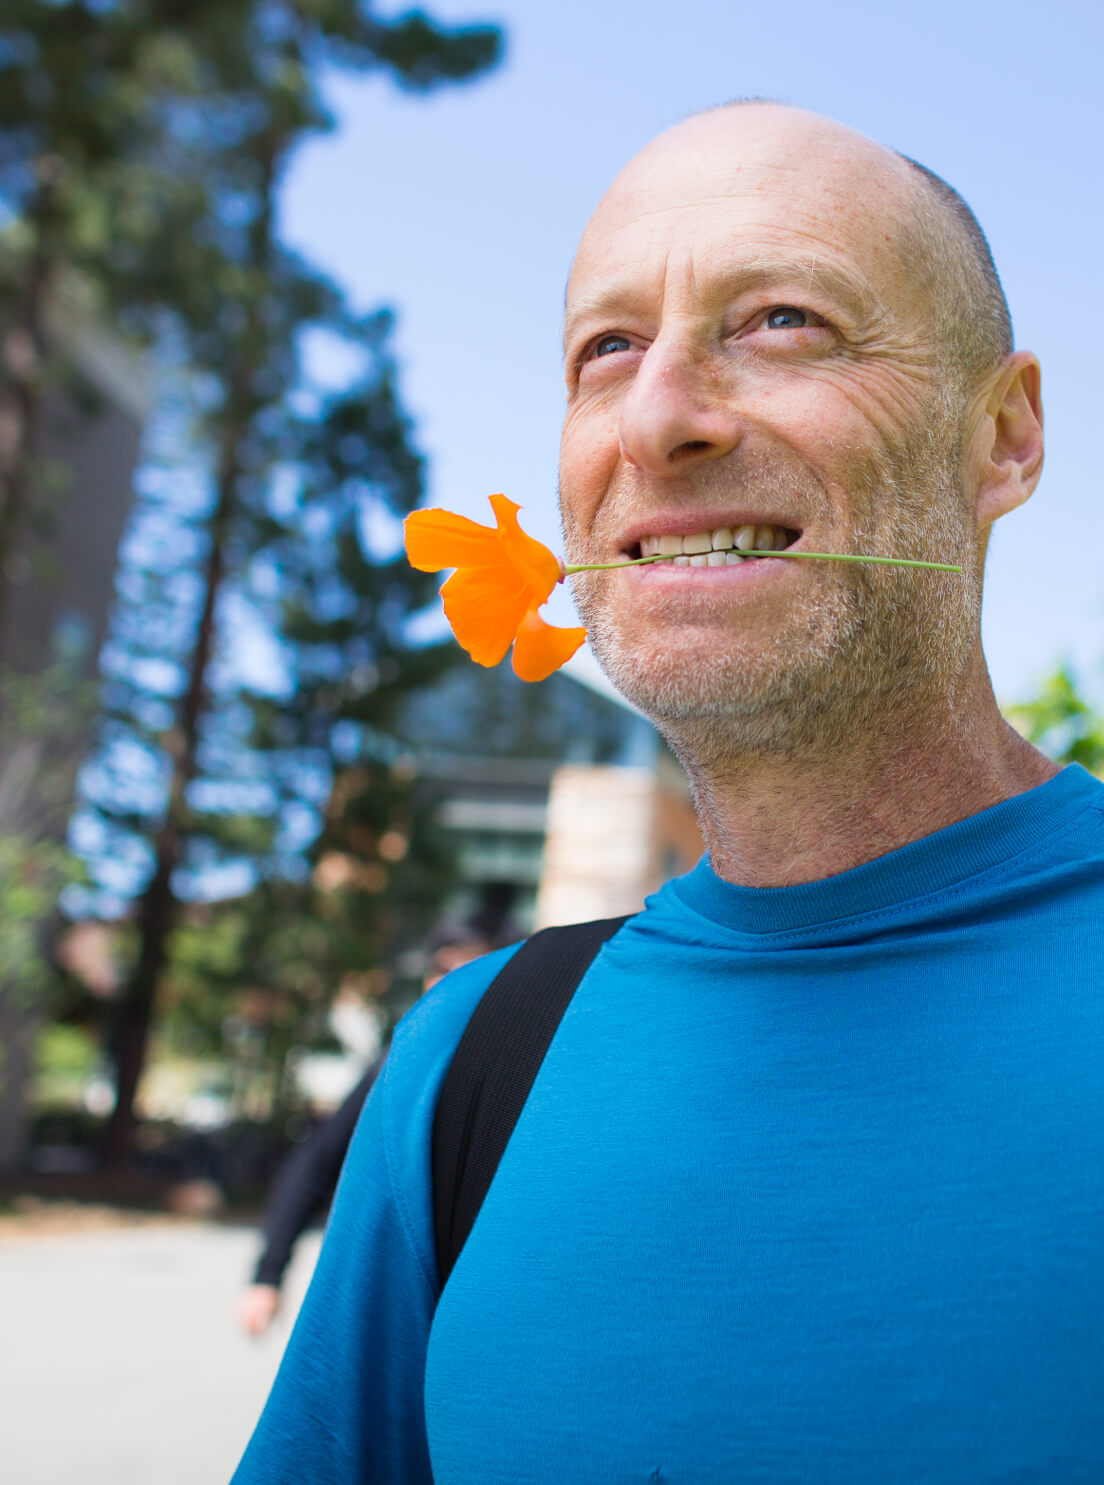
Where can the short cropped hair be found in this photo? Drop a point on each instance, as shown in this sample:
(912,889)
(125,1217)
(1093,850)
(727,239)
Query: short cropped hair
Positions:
(943,244)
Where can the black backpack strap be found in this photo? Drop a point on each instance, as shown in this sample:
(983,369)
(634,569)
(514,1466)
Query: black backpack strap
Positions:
(493,1068)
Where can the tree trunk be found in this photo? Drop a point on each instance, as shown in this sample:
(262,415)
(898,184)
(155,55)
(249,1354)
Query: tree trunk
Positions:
(159,908)
(20,1022)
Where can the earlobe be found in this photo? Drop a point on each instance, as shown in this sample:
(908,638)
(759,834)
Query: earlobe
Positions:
(1013,424)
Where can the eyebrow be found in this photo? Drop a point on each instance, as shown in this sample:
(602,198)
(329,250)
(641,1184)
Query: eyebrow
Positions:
(853,293)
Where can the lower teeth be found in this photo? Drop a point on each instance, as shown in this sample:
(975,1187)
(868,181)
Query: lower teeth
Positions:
(731,556)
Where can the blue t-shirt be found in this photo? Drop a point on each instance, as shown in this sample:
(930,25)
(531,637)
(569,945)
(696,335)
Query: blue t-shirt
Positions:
(810,1188)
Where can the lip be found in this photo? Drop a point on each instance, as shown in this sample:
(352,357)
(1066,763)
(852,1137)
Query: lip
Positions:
(683,523)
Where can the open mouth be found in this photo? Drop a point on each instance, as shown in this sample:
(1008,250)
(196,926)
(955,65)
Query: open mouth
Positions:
(726,546)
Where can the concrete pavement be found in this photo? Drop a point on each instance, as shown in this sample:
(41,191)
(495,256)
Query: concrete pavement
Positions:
(121,1362)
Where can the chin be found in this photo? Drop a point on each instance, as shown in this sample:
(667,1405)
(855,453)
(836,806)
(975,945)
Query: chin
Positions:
(757,690)
(842,667)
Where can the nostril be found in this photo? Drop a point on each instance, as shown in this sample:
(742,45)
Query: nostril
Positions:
(692,446)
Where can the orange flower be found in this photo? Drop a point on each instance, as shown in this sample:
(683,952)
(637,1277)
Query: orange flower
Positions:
(502,577)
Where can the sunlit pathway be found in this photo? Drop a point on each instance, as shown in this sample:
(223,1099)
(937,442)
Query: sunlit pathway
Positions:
(120,1361)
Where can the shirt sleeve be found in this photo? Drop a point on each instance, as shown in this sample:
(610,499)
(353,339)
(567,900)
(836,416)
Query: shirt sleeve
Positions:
(346,1407)
(305,1182)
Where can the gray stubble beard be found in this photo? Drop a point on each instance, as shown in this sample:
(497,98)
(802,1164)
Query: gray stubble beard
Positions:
(878,646)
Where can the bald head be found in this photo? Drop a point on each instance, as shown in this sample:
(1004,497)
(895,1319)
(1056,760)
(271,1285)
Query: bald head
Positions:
(945,269)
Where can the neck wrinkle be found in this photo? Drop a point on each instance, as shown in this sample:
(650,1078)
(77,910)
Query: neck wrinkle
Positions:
(773,820)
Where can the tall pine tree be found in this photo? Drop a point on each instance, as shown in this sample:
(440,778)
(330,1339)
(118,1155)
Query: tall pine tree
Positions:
(250,454)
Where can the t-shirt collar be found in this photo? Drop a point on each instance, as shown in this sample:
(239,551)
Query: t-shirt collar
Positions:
(969,848)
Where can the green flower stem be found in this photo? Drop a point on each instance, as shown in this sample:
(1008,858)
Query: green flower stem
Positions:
(805,556)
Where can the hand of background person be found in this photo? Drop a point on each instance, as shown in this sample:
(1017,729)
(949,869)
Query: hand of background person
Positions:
(257,1307)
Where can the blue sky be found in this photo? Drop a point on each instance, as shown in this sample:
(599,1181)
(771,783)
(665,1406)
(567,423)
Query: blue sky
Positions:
(463,210)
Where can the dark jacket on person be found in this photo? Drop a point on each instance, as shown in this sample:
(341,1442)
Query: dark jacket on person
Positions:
(305,1182)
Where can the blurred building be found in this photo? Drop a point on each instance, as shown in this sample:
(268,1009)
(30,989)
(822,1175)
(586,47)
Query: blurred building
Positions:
(613,834)
(559,798)
(62,577)
(60,581)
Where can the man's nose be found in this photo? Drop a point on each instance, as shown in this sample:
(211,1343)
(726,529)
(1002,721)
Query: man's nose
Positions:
(676,412)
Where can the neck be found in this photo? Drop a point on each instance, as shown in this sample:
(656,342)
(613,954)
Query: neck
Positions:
(774,821)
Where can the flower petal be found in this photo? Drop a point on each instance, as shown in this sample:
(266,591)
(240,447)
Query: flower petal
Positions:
(502,577)
(439,538)
(541,568)
(485,605)
(541,648)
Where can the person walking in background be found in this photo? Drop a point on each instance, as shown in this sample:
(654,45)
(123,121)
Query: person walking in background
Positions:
(304,1184)
(300,1192)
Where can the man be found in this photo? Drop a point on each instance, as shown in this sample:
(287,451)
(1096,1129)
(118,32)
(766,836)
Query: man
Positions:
(809,1186)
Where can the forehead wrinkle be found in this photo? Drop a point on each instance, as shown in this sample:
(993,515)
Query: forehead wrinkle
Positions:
(815,269)
(671,176)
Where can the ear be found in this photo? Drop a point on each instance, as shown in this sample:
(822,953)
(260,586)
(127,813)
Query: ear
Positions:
(1008,440)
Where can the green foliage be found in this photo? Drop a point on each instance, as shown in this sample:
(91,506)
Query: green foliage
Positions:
(1062,723)
(68,1052)
(109,114)
(258,483)
(32,874)
(143,142)
(41,723)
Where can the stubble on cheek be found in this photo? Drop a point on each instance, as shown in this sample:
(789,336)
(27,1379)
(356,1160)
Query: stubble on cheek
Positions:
(743,672)
(852,647)
(716,656)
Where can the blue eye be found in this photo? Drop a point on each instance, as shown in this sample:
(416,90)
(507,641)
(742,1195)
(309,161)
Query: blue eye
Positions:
(610,344)
(785,317)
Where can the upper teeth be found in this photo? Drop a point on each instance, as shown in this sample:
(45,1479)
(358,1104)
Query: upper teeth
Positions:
(715,548)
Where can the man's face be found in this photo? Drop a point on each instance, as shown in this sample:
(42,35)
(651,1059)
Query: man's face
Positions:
(745,350)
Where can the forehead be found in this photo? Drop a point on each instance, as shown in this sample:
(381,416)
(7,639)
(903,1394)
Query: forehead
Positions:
(745,189)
